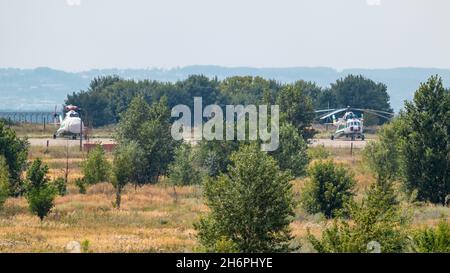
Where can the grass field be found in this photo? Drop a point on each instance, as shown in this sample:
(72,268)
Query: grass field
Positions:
(152,218)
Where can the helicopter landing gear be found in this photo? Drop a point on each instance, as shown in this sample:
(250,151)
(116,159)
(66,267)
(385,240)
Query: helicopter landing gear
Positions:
(74,137)
(353,137)
(54,136)
(332,137)
(362,137)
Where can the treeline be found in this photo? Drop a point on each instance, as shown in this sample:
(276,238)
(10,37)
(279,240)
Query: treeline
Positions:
(108,97)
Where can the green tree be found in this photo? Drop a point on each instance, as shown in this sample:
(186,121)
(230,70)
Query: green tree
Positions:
(15,151)
(329,189)
(296,107)
(433,240)
(96,167)
(292,153)
(126,165)
(425,142)
(250,208)
(4,181)
(214,156)
(39,193)
(375,221)
(360,92)
(384,158)
(184,170)
(149,127)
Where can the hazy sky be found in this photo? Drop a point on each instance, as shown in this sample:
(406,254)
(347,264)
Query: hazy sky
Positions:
(83,34)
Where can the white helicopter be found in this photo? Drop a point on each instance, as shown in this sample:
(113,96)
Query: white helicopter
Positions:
(71,125)
(350,125)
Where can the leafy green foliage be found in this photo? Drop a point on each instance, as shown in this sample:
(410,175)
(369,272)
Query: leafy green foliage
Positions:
(329,189)
(184,170)
(376,219)
(247,90)
(149,127)
(40,193)
(60,186)
(81,185)
(250,208)
(292,153)
(15,152)
(360,92)
(125,167)
(296,108)
(433,240)
(4,181)
(383,156)
(425,142)
(96,167)
(214,156)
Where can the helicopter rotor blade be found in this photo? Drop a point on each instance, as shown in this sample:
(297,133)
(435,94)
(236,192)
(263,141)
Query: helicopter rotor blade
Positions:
(333,113)
(374,111)
(379,115)
(324,110)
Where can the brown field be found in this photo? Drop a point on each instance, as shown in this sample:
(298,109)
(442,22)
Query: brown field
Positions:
(152,218)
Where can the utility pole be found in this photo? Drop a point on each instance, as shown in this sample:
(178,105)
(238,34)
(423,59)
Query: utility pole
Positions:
(81,132)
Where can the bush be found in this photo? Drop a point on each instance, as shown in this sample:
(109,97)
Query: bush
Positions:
(250,208)
(375,220)
(125,167)
(292,154)
(433,240)
(60,186)
(81,185)
(40,194)
(15,152)
(183,170)
(383,156)
(318,152)
(214,155)
(4,181)
(329,189)
(96,168)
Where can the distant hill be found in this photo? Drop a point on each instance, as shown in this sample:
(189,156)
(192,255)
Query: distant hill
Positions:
(43,88)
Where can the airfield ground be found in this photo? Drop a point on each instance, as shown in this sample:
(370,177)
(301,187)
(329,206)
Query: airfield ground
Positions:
(59,142)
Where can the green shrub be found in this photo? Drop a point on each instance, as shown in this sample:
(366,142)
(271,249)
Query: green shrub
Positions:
(292,154)
(433,240)
(125,167)
(329,189)
(318,152)
(251,207)
(375,220)
(40,194)
(15,152)
(96,168)
(81,185)
(4,181)
(183,170)
(60,186)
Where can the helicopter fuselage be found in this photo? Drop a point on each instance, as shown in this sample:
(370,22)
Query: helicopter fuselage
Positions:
(70,126)
(351,127)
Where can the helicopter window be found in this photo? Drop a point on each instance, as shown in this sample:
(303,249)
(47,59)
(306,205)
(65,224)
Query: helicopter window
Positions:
(74,115)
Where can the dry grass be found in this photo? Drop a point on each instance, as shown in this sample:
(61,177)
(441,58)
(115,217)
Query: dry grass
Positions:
(149,220)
